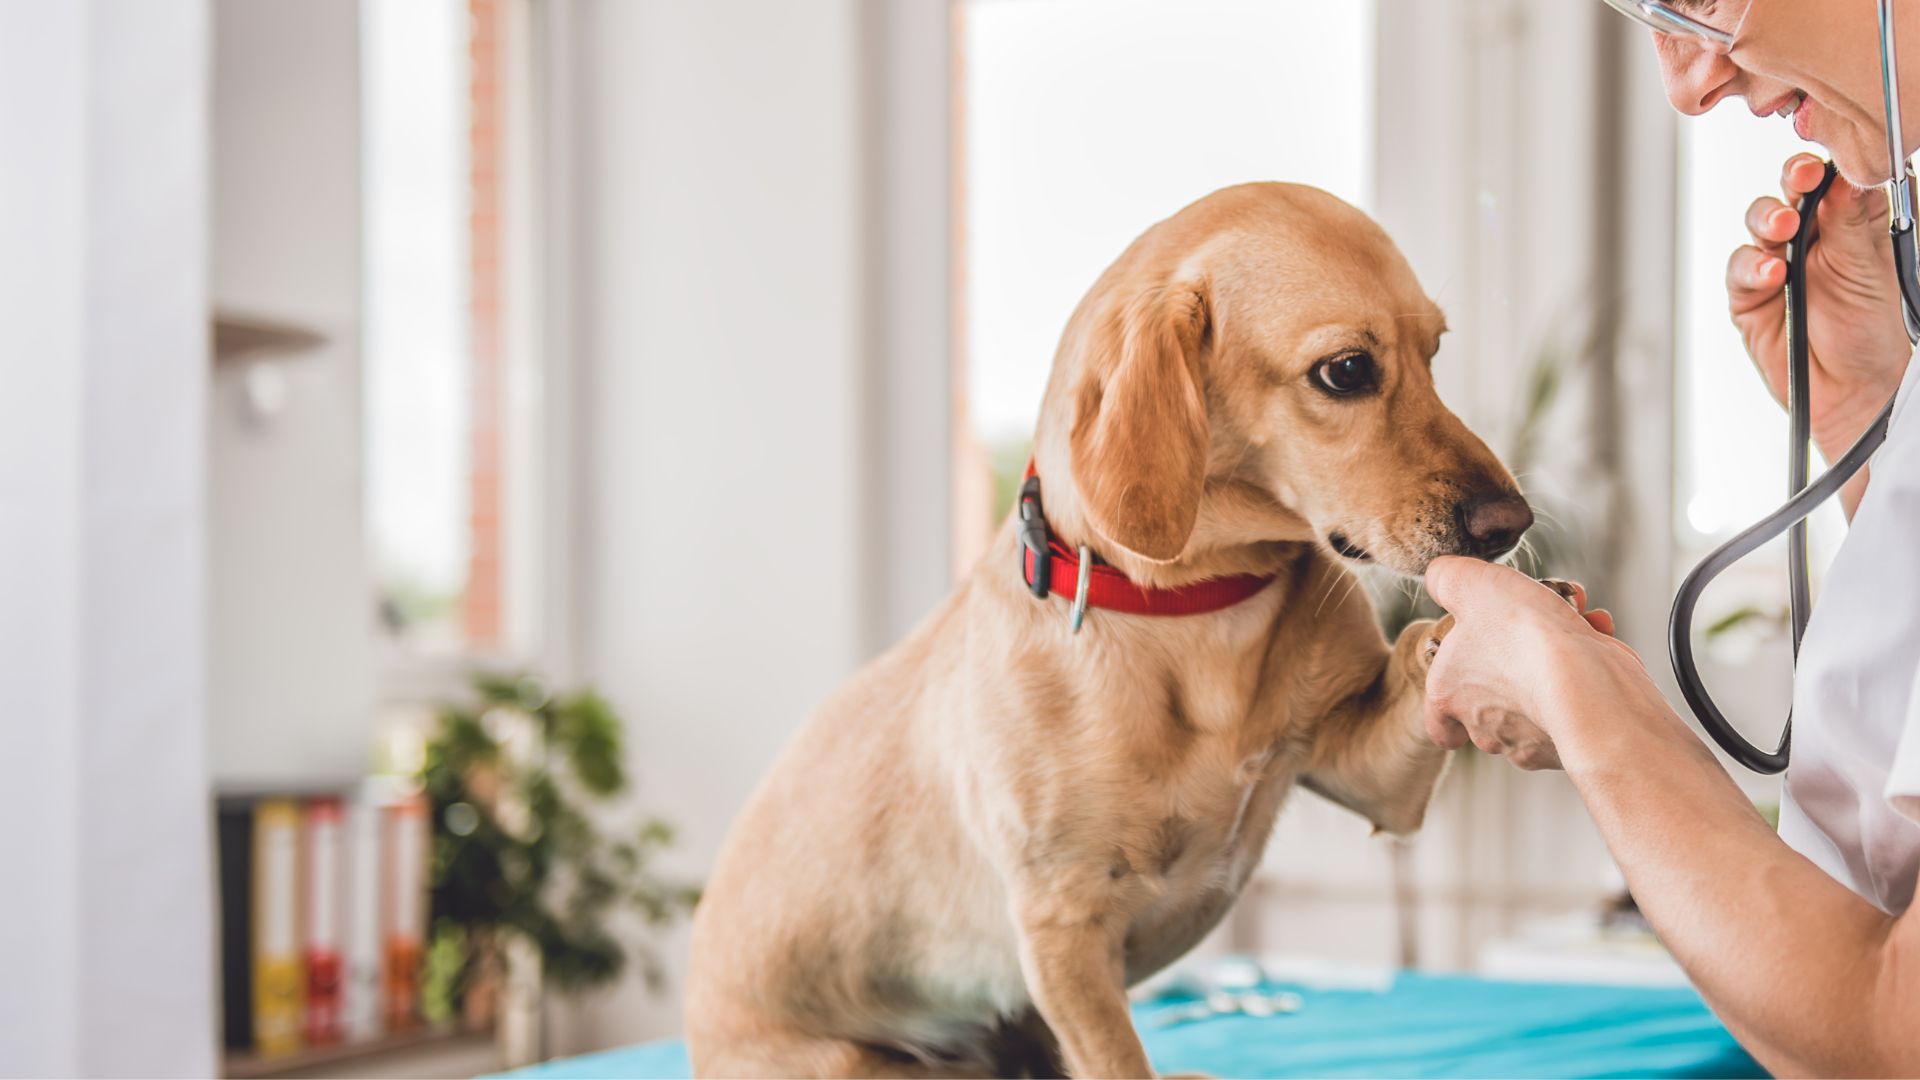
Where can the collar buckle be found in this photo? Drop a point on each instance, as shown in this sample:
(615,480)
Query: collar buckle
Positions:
(1034,538)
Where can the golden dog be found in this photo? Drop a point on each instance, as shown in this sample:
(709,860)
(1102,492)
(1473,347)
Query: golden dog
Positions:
(973,848)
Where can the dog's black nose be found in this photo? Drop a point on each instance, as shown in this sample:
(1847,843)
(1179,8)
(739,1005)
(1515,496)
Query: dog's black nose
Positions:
(1490,525)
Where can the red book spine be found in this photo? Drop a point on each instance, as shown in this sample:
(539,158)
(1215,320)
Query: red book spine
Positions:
(406,910)
(323,908)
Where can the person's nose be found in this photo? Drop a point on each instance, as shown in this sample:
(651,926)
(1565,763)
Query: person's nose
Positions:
(1696,77)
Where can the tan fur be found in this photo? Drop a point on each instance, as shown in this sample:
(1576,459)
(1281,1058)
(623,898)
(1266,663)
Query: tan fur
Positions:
(977,844)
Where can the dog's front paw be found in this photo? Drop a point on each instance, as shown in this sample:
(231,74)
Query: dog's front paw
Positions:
(1430,645)
(1568,590)
(1416,646)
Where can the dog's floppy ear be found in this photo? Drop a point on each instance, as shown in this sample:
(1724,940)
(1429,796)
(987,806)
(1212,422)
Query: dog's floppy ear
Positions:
(1139,441)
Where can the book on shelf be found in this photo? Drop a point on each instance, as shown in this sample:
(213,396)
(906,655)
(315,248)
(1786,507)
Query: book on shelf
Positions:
(325,901)
(235,834)
(279,990)
(323,916)
(360,989)
(405,918)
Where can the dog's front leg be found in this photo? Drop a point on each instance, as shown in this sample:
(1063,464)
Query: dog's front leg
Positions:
(1372,754)
(1071,952)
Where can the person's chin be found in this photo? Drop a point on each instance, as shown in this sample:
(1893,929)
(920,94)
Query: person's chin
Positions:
(1863,170)
(1860,154)
(1861,166)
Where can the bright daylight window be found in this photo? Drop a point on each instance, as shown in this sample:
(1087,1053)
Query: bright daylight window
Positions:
(1731,435)
(441,383)
(1166,103)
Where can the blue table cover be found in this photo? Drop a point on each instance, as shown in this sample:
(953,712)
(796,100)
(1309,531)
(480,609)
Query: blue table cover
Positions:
(1425,1025)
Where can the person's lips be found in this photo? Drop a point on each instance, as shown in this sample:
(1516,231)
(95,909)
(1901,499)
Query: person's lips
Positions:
(1791,106)
(1802,116)
(1780,106)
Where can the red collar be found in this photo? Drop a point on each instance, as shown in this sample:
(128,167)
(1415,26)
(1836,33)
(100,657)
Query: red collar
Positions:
(1107,587)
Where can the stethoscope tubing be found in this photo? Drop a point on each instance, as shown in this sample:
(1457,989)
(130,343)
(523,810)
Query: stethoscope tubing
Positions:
(1804,497)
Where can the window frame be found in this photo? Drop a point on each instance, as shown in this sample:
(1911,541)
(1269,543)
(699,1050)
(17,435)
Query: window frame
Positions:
(539,450)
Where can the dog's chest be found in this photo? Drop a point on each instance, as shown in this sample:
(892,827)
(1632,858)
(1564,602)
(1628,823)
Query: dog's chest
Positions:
(1205,824)
(1198,860)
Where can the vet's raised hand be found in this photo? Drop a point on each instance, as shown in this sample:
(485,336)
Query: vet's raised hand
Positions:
(1858,343)
(1516,653)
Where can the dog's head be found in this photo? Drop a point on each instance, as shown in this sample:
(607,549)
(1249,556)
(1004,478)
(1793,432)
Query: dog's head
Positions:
(1257,367)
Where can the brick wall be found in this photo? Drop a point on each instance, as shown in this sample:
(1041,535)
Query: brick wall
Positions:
(480,614)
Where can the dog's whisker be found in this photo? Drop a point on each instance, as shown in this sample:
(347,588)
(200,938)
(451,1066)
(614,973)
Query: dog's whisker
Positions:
(1353,580)
(1534,561)
(1325,594)
(1512,558)
(1324,597)
(1548,516)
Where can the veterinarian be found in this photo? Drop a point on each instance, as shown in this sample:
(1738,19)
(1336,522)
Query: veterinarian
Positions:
(1804,941)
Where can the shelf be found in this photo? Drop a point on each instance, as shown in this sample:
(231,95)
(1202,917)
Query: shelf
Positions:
(373,1057)
(236,335)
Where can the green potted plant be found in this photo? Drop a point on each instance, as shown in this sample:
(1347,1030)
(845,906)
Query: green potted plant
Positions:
(520,780)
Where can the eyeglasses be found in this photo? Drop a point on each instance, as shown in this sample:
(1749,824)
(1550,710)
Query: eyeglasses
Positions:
(1662,18)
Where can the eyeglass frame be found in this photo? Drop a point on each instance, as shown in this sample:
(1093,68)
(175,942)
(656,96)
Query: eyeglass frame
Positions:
(1661,18)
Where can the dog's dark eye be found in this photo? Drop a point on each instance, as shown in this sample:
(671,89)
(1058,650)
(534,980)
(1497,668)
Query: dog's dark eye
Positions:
(1344,375)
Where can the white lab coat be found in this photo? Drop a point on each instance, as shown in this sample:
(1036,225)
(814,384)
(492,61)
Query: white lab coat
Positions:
(1852,799)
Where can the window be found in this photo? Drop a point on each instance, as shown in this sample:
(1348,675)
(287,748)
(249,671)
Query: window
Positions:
(1166,103)
(448,379)
(1731,451)
(1733,446)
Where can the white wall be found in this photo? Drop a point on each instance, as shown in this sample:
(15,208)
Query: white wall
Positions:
(760,304)
(292,611)
(105,922)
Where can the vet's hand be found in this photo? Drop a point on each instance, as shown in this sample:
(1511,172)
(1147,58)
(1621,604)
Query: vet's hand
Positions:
(1858,343)
(1519,662)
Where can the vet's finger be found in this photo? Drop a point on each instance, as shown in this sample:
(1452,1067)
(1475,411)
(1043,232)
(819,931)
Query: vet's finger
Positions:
(1771,221)
(1462,585)
(1754,277)
(1801,174)
(1602,620)
(1443,730)
(1536,757)
(1488,742)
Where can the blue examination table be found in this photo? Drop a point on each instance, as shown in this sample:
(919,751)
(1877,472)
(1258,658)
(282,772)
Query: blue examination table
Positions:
(1422,1025)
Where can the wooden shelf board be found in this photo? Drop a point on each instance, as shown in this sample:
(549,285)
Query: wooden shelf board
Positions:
(238,335)
(246,1065)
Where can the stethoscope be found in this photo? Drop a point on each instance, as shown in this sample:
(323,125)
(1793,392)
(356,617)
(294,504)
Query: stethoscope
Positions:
(1790,518)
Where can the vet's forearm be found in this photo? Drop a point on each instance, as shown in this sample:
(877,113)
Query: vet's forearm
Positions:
(1807,975)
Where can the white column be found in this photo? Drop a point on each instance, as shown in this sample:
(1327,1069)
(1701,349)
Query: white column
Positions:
(759,290)
(907,197)
(106,917)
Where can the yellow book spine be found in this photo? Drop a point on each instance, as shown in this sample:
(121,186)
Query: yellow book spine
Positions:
(279,981)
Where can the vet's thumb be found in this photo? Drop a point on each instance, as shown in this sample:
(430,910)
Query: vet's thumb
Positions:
(1462,585)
